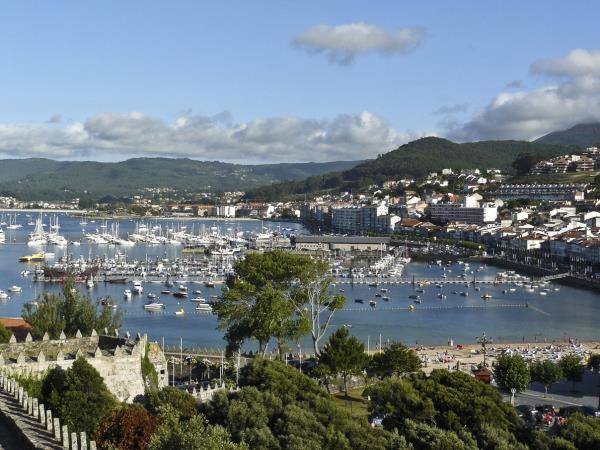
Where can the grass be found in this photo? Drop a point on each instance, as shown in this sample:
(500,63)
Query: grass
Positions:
(355,404)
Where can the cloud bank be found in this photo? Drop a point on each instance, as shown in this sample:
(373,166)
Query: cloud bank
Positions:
(276,139)
(572,96)
(341,44)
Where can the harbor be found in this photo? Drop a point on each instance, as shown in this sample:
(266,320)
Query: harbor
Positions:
(426,302)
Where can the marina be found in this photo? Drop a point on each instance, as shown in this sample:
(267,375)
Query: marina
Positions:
(500,303)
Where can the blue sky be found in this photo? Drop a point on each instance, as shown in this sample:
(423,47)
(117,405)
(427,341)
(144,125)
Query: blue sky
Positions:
(264,81)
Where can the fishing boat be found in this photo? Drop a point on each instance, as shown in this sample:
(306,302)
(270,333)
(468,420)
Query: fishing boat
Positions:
(15,289)
(127,294)
(153,306)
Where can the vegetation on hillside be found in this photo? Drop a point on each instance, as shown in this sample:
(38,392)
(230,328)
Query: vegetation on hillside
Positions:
(415,159)
(582,135)
(45,179)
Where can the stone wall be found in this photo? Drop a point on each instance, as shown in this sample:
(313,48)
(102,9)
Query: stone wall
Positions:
(117,359)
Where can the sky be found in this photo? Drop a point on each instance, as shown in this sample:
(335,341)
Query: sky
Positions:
(288,81)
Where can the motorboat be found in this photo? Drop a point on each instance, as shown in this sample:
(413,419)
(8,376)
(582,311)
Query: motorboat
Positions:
(165,292)
(15,289)
(180,294)
(180,312)
(204,307)
(36,257)
(153,306)
(486,296)
(127,294)
(137,287)
(198,300)
(372,303)
(414,297)
(151,296)
(209,284)
(3,295)
(358,300)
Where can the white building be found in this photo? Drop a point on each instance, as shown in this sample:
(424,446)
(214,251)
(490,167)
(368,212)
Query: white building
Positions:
(455,212)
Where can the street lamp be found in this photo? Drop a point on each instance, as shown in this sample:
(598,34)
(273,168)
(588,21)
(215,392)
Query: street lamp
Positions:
(484,340)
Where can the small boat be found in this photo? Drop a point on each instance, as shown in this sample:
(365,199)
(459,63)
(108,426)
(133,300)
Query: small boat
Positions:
(378,295)
(153,306)
(340,290)
(385,299)
(442,296)
(108,303)
(137,287)
(198,300)
(372,284)
(384,291)
(420,291)
(127,294)
(151,296)
(90,283)
(169,284)
(165,292)
(180,312)
(505,291)
(3,295)
(543,293)
(414,297)
(36,257)
(358,300)
(486,296)
(411,307)
(464,294)
(418,300)
(180,294)
(557,289)
(183,288)
(203,307)
(15,289)
(209,284)
(372,303)
(197,292)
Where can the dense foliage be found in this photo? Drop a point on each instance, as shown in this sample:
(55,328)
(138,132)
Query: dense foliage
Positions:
(344,355)
(545,372)
(583,135)
(126,428)
(414,159)
(5,334)
(512,372)
(396,359)
(78,395)
(69,312)
(179,400)
(280,408)
(466,409)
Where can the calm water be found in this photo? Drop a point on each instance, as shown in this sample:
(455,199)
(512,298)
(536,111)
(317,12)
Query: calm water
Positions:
(570,312)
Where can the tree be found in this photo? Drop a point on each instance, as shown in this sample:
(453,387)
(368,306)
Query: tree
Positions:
(344,355)
(5,334)
(69,312)
(78,395)
(193,434)
(396,359)
(511,371)
(181,402)
(279,295)
(594,362)
(545,372)
(582,431)
(525,162)
(127,428)
(572,368)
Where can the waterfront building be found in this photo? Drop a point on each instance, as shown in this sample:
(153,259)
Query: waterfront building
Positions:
(342,243)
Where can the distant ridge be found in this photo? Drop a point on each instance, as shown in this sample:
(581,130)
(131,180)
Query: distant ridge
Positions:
(582,135)
(415,159)
(47,179)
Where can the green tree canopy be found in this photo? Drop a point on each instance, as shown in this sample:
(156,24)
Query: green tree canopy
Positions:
(344,355)
(180,401)
(396,359)
(5,334)
(572,368)
(69,312)
(511,371)
(545,372)
(78,395)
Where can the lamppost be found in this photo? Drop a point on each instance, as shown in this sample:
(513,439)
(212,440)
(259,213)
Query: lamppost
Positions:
(484,340)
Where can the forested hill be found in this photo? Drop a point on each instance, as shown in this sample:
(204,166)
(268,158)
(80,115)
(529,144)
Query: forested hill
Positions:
(46,179)
(583,135)
(414,159)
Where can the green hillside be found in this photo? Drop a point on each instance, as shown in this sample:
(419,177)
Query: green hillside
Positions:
(582,135)
(44,179)
(415,159)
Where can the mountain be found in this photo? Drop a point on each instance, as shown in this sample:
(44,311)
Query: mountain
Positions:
(46,179)
(415,159)
(582,135)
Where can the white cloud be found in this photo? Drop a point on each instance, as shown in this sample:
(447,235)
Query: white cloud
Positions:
(277,139)
(574,98)
(342,43)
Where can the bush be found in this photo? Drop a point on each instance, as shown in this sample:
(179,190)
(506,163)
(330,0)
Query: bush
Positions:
(127,428)
(182,402)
